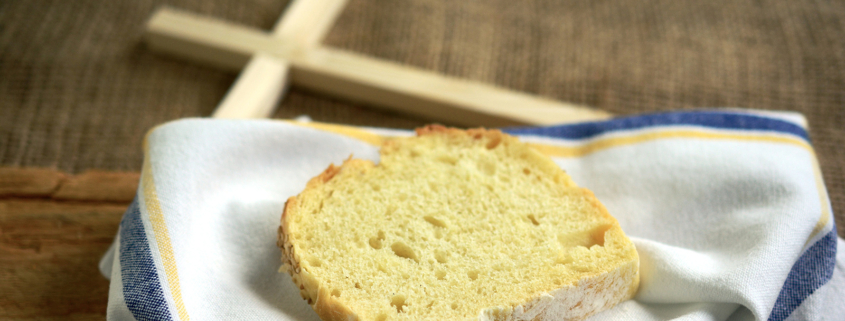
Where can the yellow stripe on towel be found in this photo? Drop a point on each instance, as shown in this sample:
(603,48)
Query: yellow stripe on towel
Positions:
(347,131)
(824,200)
(610,142)
(584,149)
(162,236)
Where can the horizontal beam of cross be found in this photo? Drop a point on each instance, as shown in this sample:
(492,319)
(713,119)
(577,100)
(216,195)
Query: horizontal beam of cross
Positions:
(359,78)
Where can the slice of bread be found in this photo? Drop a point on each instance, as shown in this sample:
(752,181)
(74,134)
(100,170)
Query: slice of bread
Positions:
(454,225)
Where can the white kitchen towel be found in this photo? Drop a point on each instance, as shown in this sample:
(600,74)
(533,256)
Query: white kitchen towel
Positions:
(727,209)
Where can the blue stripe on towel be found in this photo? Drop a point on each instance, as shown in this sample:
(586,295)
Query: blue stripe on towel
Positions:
(812,270)
(720,120)
(142,289)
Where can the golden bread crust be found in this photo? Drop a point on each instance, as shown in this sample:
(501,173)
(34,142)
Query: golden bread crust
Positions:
(319,297)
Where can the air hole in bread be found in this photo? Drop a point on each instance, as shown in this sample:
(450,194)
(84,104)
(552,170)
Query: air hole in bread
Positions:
(435,221)
(375,243)
(403,250)
(441,256)
(381,317)
(598,234)
(447,159)
(357,285)
(473,275)
(398,301)
(533,219)
(454,306)
(586,239)
(315,262)
(526,171)
(440,274)
(336,293)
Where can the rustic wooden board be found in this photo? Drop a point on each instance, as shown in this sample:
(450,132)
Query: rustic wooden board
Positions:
(92,185)
(54,228)
(49,251)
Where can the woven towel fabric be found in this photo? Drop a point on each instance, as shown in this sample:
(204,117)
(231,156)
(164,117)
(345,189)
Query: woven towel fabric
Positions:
(78,90)
(727,210)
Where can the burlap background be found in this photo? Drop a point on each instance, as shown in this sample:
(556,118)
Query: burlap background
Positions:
(78,90)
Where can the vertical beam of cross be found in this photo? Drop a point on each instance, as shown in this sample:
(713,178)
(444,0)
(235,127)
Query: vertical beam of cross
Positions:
(264,80)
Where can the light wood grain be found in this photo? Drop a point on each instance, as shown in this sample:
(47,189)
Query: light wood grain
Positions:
(416,91)
(359,78)
(306,22)
(205,40)
(258,89)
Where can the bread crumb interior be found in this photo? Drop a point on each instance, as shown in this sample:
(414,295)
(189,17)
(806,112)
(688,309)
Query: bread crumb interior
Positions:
(448,225)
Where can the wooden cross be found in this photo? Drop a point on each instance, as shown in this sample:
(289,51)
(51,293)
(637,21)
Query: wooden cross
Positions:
(292,52)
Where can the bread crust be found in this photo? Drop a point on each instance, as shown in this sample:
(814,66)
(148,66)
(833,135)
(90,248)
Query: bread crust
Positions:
(589,295)
(327,307)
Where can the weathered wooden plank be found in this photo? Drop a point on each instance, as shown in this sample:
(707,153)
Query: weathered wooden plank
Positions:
(95,185)
(99,186)
(49,251)
(30,182)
